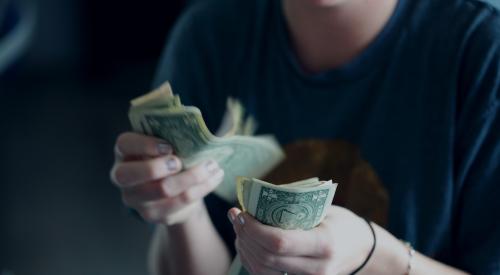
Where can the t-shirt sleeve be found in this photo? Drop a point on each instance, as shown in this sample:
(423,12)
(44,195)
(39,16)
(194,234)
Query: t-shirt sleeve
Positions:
(477,153)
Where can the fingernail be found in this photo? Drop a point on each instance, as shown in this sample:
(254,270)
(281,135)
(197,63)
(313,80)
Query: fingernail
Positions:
(230,217)
(164,149)
(241,219)
(211,166)
(171,164)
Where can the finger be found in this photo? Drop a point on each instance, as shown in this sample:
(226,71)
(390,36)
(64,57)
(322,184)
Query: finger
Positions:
(130,173)
(134,144)
(234,217)
(290,264)
(264,256)
(242,255)
(255,259)
(158,190)
(246,261)
(200,191)
(250,263)
(283,242)
(198,175)
(254,250)
(144,193)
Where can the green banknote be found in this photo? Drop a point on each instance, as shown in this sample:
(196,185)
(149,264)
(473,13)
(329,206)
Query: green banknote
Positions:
(161,114)
(297,205)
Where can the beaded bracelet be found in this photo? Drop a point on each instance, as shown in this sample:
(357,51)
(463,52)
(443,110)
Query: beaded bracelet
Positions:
(371,251)
(411,253)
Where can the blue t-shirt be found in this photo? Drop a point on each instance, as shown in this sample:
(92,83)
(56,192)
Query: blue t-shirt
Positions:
(420,104)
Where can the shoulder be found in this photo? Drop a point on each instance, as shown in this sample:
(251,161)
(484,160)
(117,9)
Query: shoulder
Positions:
(475,22)
(480,56)
(475,33)
(210,31)
(464,38)
(476,28)
(458,44)
(482,34)
(479,18)
(454,19)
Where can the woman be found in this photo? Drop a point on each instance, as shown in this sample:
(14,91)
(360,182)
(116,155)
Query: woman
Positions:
(411,87)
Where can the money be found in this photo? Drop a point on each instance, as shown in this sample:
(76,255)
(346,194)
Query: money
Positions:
(160,113)
(296,205)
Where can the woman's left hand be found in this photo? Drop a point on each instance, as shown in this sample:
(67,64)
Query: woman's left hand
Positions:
(337,246)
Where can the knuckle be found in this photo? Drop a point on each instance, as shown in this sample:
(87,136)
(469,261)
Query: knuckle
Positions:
(327,251)
(186,196)
(269,259)
(150,170)
(279,244)
(323,243)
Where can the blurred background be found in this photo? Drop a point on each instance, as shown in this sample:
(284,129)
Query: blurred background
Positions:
(67,72)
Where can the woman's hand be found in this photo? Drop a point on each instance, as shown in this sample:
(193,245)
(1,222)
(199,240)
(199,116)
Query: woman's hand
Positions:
(148,174)
(338,245)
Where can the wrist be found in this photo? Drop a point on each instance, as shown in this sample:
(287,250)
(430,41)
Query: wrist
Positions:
(389,257)
(368,250)
(189,216)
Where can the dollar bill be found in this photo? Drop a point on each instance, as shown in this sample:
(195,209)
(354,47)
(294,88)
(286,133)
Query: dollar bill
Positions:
(160,113)
(297,205)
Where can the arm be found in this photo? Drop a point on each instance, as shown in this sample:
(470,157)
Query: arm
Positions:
(193,247)
(338,246)
(392,255)
(151,181)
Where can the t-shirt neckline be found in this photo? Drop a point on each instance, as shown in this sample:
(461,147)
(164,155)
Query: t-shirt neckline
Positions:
(357,67)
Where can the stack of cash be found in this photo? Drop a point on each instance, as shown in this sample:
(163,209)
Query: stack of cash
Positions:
(160,113)
(296,205)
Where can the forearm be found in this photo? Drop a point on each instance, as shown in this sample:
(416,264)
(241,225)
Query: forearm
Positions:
(391,256)
(193,247)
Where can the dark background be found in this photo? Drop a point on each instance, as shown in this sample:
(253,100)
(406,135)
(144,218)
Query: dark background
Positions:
(62,105)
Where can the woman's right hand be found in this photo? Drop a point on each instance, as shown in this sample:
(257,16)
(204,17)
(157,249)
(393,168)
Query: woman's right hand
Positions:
(151,179)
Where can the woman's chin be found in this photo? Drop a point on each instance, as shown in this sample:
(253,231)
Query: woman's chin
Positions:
(326,3)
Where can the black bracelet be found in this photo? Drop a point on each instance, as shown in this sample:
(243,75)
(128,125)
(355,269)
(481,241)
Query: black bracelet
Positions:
(371,251)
